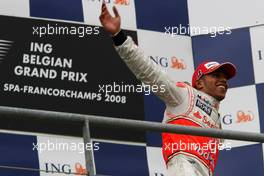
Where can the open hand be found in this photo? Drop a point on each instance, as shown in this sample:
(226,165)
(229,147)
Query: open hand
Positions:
(110,24)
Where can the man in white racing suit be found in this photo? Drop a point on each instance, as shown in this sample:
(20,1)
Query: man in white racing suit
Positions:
(195,105)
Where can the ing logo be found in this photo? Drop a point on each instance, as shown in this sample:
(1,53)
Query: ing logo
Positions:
(116,2)
(66,169)
(241,117)
(244,117)
(122,2)
(173,62)
(177,63)
(79,169)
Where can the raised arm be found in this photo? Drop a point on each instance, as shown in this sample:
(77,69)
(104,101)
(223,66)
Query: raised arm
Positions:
(143,68)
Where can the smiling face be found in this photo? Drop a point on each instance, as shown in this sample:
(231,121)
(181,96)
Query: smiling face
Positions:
(214,84)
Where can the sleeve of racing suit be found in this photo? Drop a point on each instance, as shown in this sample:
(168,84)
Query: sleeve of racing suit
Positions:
(148,72)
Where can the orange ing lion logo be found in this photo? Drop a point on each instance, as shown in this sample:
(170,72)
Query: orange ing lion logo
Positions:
(177,63)
(243,117)
(79,169)
(122,2)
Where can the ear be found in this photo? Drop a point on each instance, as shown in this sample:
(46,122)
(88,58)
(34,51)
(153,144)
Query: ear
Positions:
(199,84)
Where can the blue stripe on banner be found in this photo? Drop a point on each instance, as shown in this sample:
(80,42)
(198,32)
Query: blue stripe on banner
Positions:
(57,9)
(154,139)
(154,108)
(156,14)
(234,47)
(260,96)
(121,159)
(154,111)
(17,150)
(242,161)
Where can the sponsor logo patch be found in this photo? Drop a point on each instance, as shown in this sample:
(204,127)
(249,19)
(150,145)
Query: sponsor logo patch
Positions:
(203,106)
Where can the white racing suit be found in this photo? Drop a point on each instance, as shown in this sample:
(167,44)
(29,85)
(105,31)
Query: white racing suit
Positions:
(184,155)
